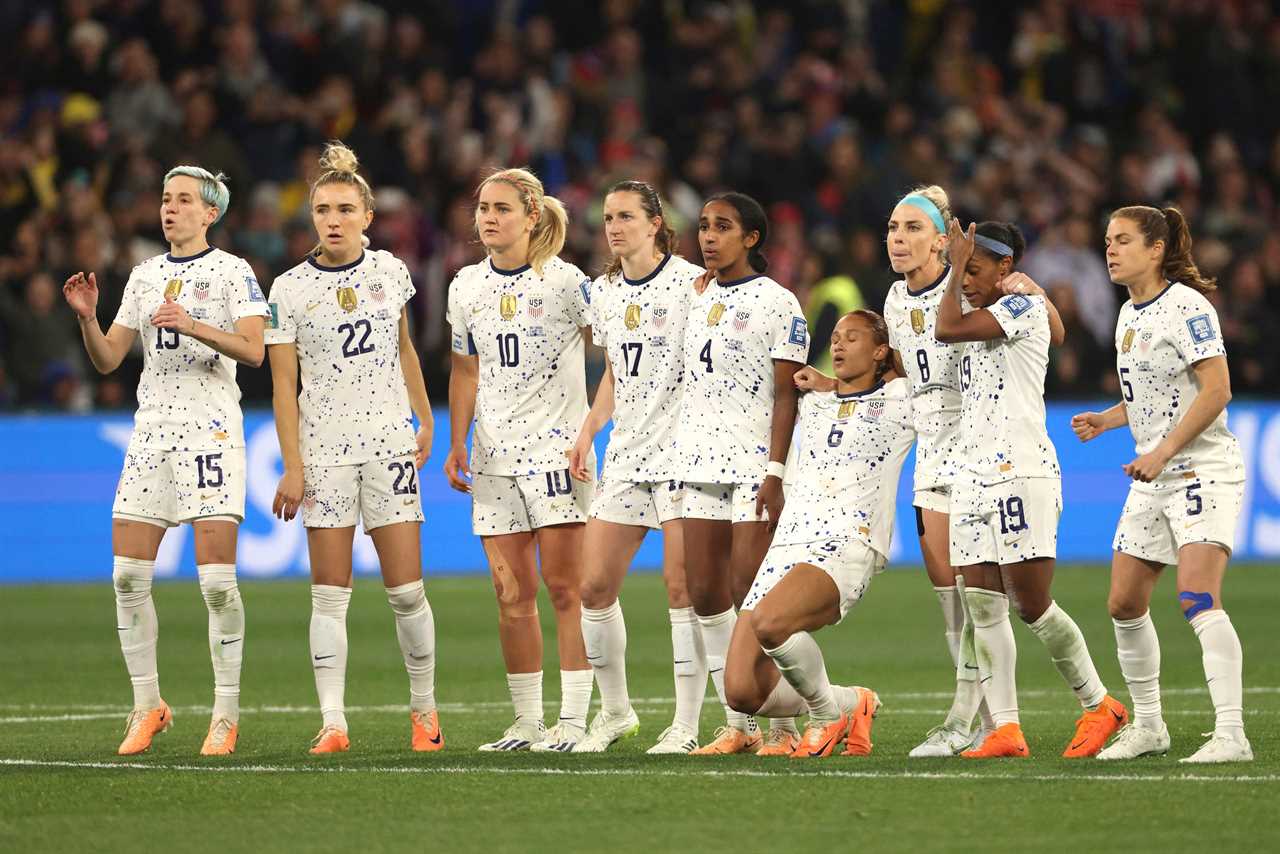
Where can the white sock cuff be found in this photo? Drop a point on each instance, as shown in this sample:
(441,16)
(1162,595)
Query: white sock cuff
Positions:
(603,615)
(682,616)
(717,619)
(986,607)
(1206,619)
(407,598)
(1136,624)
(133,567)
(784,647)
(330,600)
(575,677)
(942,591)
(1053,612)
(525,680)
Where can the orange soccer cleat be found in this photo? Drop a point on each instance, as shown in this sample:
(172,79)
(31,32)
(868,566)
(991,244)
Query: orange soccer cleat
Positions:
(1094,727)
(821,739)
(730,740)
(427,736)
(1006,740)
(858,742)
(142,726)
(779,742)
(221,740)
(330,740)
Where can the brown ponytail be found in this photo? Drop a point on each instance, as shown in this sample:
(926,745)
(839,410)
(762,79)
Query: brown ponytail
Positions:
(1169,226)
(665,240)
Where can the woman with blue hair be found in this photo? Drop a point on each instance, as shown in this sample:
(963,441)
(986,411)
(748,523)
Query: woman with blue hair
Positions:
(199,311)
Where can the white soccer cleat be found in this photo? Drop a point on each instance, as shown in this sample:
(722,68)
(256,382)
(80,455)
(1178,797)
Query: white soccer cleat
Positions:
(1222,748)
(561,738)
(676,738)
(606,730)
(521,735)
(1133,741)
(942,742)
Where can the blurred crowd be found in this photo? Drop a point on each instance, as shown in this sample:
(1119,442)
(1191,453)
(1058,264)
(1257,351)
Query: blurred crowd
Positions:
(1045,113)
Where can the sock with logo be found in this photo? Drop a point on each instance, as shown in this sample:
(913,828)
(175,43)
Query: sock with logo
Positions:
(1138,648)
(690,667)
(799,660)
(604,633)
(717,631)
(137,627)
(416,632)
(226,635)
(997,652)
(329,650)
(1062,638)
(1223,661)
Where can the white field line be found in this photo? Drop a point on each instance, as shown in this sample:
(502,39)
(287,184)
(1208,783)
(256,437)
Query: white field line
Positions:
(685,772)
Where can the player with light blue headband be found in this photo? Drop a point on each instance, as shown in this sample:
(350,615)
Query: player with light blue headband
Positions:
(199,311)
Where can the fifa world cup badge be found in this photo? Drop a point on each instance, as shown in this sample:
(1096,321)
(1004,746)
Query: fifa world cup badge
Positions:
(846,409)
(173,288)
(917,321)
(507,306)
(1127,342)
(717,312)
(632,317)
(347,299)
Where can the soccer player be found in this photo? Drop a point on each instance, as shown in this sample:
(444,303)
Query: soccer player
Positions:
(1188,477)
(199,311)
(519,320)
(638,310)
(340,320)
(834,534)
(1006,501)
(744,341)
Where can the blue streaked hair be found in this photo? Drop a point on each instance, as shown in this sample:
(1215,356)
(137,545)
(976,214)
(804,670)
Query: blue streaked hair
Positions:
(213,188)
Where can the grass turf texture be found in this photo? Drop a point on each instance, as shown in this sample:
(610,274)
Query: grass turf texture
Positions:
(66,694)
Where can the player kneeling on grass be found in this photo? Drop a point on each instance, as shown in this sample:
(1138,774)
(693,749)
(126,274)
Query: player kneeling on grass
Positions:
(1008,496)
(199,311)
(833,535)
(340,319)
(1188,480)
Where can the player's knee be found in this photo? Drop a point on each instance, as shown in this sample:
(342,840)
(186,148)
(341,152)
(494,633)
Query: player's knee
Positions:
(1125,607)
(218,586)
(408,598)
(771,629)
(563,595)
(131,579)
(1194,603)
(597,593)
(741,694)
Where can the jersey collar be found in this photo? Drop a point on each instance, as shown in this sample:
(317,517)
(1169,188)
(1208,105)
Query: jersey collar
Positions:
(501,272)
(311,259)
(942,278)
(1163,291)
(175,259)
(879,385)
(650,277)
(737,282)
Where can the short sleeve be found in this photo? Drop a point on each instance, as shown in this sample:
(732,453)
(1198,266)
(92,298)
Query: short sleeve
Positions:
(791,331)
(1196,332)
(127,314)
(405,280)
(580,302)
(281,326)
(456,314)
(891,321)
(1019,315)
(244,295)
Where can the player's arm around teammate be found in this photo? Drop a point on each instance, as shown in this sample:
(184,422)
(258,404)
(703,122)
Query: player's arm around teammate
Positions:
(1188,477)
(185,461)
(1005,512)
(518,325)
(638,309)
(350,455)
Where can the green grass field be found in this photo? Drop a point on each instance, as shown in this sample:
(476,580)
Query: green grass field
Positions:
(65,695)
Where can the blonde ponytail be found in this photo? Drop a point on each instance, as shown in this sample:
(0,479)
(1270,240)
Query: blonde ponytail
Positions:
(552,226)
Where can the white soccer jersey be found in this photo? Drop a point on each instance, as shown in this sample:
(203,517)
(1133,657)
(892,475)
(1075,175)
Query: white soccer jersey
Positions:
(1157,343)
(932,370)
(640,324)
(345,322)
(187,397)
(735,332)
(846,456)
(1003,431)
(532,394)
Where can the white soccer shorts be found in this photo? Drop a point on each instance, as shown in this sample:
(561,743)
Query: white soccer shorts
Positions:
(1006,522)
(510,504)
(723,502)
(937,499)
(647,504)
(1156,525)
(850,562)
(167,488)
(377,493)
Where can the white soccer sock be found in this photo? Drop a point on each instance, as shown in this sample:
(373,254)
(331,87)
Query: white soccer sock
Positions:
(1070,654)
(968,698)
(1223,661)
(799,660)
(416,631)
(604,632)
(329,650)
(226,635)
(137,627)
(690,666)
(575,696)
(526,695)
(847,697)
(717,631)
(997,652)
(952,617)
(1138,648)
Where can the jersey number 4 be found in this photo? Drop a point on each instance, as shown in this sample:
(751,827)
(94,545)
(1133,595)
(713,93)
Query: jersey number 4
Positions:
(705,356)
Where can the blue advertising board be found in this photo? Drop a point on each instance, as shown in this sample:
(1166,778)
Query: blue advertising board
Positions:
(58,477)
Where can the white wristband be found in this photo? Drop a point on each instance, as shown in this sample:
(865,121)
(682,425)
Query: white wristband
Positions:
(775,469)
